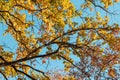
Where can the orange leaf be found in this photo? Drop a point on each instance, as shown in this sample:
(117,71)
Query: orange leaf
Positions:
(111,72)
(116,0)
(43,61)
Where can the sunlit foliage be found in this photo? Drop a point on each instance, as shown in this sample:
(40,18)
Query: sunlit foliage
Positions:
(39,24)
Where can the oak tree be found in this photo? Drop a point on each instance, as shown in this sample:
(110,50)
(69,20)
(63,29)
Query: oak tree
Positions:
(52,25)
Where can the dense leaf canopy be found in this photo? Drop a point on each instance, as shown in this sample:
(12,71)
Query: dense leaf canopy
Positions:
(52,25)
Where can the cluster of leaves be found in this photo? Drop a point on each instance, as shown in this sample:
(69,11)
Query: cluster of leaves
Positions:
(47,28)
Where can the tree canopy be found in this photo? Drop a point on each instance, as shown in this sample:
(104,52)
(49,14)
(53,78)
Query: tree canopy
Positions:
(84,38)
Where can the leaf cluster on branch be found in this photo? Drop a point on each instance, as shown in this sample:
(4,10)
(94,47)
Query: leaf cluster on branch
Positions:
(38,25)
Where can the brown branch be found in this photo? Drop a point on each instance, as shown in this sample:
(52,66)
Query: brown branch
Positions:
(79,29)
(85,73)
(13,16)
(102,8)
(18,5)
(108,62)
(36,49)
(17,18)
(27,58)
(3,75)
(23,73)
(3,59)
(10,24)
(68,44)
(34,69)
(3,11)
(1,71)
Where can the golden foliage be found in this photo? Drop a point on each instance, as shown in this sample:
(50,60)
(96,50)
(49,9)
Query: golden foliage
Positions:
(38,25)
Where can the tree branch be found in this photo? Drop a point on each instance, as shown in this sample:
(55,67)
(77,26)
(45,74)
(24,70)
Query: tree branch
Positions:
(34,69)
(23,73)
(27,58)
(3,75)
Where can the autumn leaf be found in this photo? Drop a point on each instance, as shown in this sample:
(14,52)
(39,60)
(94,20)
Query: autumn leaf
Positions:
(43,61)
(112,72)
(84,38)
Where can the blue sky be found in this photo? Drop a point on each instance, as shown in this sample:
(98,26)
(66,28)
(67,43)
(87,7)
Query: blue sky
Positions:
(11,44)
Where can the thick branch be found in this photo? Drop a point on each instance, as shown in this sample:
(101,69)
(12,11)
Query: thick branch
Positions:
(79,29)
(27,58)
